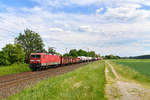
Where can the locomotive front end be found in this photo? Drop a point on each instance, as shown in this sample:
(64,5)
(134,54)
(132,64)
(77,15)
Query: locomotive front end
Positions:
(35,61)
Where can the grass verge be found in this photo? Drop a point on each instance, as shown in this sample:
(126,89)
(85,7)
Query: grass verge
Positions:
(15,68)
(86,83)
(110,73)
(111,90)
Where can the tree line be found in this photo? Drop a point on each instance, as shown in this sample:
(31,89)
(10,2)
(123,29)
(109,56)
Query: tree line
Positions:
(111,57)
(31,42)
(76,53)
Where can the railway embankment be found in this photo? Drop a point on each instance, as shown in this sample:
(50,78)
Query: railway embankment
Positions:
(11,84)
(85,83)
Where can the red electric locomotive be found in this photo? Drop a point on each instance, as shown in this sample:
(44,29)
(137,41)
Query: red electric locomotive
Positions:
(43,60)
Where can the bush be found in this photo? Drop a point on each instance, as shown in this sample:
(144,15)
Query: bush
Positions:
(11,54)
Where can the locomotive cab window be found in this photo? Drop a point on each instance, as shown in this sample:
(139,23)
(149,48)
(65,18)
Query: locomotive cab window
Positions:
(35,56)
(38,56)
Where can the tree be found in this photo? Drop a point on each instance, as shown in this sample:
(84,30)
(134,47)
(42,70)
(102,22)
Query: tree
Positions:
(4,58)
(82,53)
(73,53)
(66,55)
(31,43)
(18,54)
(111,57)
(98,55)
(51,50)
(11,54)
(91,54)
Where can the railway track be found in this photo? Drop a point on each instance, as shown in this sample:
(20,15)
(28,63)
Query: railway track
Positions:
(23,78)
(9,86)
(34,75)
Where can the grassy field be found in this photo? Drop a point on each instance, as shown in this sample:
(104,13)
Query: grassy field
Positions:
(136,70)
(142,66)
(15,68)
(86,83)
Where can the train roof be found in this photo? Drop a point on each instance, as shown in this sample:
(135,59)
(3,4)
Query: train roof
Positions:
(43,54)
(37,53)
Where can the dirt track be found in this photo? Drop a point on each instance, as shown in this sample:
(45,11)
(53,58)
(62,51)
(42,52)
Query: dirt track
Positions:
(125,90)
(12,84)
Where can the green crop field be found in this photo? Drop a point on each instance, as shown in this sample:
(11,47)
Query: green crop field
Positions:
(12,69)
(85,83)
(141,66)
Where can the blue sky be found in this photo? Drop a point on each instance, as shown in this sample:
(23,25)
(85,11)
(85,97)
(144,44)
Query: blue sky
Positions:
(119,27)
(18,3)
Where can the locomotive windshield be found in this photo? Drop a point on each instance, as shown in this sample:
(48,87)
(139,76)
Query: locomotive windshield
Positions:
(35,56)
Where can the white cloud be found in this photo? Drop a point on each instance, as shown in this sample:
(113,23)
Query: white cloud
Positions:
(85,28)
(99,10)
(103,33)
(55,29)
(61,3)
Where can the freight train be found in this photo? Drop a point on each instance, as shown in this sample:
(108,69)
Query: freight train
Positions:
(39,61)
